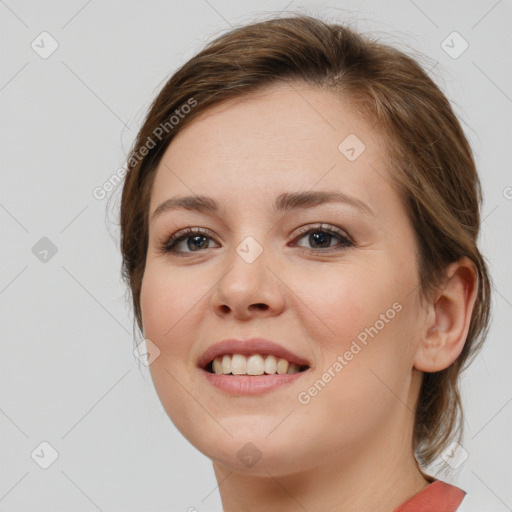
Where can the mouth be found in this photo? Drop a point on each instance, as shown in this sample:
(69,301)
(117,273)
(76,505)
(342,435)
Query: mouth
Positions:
(253,379)
(250,366)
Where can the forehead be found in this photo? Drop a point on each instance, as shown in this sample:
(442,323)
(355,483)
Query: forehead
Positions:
(285,137)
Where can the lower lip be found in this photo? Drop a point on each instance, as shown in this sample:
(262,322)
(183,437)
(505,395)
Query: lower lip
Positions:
(248,384)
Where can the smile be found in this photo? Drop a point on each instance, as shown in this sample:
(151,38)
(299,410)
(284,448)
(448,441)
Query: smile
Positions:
(241,366)
(254,364)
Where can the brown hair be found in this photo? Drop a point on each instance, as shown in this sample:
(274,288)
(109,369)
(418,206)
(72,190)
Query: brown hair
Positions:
(433,166)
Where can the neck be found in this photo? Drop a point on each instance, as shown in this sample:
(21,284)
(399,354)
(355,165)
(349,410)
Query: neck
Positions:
(325,488)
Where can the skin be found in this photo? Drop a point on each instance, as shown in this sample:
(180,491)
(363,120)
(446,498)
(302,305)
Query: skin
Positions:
(347,448)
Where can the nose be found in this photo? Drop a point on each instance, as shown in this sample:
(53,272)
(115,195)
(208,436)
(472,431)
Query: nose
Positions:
(248,289)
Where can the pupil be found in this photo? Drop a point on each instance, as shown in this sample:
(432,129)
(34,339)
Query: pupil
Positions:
(322,238)
(196,239)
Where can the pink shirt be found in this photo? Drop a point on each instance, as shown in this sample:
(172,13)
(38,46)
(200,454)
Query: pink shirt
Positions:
(439,496)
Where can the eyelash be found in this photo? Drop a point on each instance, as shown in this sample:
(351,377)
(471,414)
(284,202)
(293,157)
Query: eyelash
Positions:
(167,244)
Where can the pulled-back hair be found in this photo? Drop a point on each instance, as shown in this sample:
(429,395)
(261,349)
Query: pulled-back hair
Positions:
(433,167)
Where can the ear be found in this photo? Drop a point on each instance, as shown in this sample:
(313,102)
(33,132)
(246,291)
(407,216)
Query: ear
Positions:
(448,318)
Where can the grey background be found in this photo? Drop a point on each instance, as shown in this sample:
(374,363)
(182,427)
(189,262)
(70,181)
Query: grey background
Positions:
(68,373)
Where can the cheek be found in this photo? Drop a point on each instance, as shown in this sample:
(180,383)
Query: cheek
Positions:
(168,315)
(156,298)
(365,373)
(371,354)
(365,315)
(167,297)
(339,303)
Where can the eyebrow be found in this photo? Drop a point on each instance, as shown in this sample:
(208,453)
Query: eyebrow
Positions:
(285,202)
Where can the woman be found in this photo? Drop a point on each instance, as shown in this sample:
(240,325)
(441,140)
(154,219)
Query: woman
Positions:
(299,224)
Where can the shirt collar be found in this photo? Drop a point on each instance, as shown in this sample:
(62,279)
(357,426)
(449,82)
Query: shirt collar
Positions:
(439,496)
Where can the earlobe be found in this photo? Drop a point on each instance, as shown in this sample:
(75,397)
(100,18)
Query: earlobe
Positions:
(449,316)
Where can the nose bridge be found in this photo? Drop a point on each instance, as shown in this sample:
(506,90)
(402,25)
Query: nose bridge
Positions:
(249,249)
(248,285)
(248,263)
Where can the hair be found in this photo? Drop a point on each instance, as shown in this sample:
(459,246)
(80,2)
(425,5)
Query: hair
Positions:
(432,163)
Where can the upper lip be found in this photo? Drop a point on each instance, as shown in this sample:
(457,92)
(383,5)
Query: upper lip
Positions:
(248,347)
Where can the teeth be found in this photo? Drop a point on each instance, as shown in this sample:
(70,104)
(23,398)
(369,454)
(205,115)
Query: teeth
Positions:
(238,364)
(282,366)
(293,368)
(270,365)
(255,364)
(226,364)
(217,365)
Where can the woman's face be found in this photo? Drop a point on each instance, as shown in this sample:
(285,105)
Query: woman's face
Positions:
(334,283)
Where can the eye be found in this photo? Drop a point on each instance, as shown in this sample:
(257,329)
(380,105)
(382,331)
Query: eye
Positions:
(186,241)
(321,239)
(190,240)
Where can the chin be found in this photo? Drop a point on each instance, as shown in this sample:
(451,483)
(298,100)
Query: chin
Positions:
(253,445)
(256,458)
